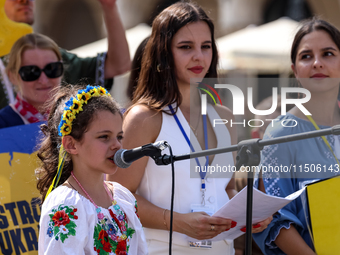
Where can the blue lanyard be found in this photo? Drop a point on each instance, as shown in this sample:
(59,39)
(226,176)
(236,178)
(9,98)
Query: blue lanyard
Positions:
(202,174)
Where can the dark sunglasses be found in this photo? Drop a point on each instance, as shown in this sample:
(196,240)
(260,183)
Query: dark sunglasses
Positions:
(32,73)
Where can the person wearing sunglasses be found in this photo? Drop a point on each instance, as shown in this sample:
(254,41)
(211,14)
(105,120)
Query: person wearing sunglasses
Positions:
(34,68)
(100,69)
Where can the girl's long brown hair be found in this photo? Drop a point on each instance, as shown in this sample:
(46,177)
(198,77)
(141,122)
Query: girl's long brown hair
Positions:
(51,142)
(157,86)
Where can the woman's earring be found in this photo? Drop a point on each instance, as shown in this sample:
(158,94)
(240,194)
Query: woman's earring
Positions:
(158,68)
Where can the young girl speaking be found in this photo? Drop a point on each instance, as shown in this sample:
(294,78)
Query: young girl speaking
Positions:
(84,214)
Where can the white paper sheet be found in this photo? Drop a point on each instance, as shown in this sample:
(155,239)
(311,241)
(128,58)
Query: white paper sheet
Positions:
(263,206)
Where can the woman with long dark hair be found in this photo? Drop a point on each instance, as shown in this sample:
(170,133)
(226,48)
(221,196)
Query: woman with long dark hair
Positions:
(167,107)
(315,57)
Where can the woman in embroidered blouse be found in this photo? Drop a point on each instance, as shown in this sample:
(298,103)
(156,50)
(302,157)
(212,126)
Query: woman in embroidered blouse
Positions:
(84,214)
(181,46)
(35,68)
(315,57)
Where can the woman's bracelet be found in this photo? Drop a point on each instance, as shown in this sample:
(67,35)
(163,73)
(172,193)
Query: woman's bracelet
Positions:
(164,221)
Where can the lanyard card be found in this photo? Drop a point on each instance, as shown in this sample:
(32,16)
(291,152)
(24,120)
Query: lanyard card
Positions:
(210,211)
(202,208)
(201,244)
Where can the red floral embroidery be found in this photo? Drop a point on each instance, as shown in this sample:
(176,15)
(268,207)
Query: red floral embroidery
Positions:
(126,219)
(62,223)
(60,218)
(112,239)
(104,239)
(114,217)
(121,248)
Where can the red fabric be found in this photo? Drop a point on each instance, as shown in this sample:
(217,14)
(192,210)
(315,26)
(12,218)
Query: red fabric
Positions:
(60,218)
(28,111)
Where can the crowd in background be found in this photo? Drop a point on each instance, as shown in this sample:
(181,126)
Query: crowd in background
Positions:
(40,82)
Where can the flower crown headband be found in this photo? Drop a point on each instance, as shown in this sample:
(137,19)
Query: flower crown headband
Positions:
(73,106)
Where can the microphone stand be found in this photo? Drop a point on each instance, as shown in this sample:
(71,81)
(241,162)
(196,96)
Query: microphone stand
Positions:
(248,154)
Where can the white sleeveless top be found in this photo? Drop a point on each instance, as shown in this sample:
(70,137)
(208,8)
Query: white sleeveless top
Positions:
(156,182)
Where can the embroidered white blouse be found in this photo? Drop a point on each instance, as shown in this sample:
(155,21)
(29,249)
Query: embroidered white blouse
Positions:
(70,224)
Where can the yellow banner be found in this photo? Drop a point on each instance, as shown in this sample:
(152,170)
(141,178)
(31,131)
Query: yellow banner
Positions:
(324,209)
(19,206)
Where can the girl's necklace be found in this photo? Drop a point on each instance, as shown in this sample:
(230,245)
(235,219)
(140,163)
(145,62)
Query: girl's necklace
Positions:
(103,227)
(88,196)
(71,185)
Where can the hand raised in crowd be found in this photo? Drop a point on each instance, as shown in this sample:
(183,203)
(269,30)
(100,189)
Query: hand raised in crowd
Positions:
(118,55)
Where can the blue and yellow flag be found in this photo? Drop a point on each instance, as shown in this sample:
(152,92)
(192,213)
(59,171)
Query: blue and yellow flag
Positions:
(19,204)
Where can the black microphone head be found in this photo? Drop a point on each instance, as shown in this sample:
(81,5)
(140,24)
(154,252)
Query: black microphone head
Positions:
(119,160)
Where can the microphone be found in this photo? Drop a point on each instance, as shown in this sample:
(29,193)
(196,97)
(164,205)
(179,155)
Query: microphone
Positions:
(123,158)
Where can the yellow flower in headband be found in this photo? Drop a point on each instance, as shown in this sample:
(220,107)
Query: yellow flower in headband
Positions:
(102,91)
(68,116)
(83,97)
(76,107)
(65,129)
(94,92)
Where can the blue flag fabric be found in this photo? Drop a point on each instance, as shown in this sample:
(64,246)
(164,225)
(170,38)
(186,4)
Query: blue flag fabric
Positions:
(23,138)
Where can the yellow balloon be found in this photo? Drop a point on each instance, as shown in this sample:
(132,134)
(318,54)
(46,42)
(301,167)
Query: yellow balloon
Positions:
(10,31)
